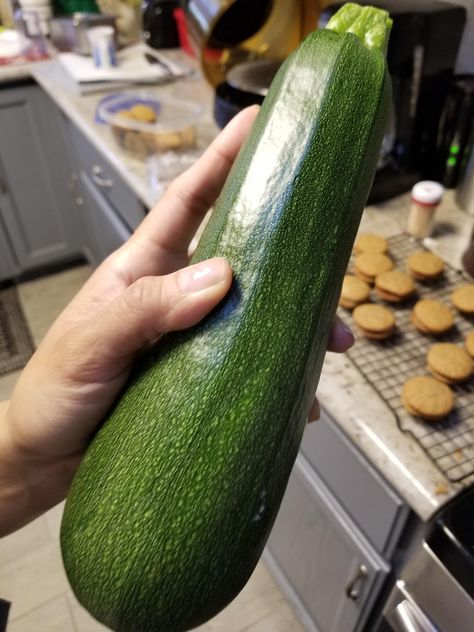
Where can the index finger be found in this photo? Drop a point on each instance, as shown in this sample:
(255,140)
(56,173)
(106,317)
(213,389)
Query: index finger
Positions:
(160,244)
(341,337)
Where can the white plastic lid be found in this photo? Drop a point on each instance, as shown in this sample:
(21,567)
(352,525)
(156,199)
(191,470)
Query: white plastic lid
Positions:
(427,192)
(100,32)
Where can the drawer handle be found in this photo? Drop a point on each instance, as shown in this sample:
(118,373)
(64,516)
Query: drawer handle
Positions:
(354,587)
(97,176)
(103,183)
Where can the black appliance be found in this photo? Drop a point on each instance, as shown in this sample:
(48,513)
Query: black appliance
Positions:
(421,56)
(159,28)
(455,138)
(246,84)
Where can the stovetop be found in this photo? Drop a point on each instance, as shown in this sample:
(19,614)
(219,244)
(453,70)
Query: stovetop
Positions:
(452,539)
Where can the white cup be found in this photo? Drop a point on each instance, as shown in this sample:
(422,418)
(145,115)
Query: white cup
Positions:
(102,43)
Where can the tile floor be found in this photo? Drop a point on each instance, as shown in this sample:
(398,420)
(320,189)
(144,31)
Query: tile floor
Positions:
(31,572)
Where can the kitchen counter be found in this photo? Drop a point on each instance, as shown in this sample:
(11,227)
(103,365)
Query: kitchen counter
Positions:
(141,177)
(357,408)
(343,392)
(15,72)
(21,70)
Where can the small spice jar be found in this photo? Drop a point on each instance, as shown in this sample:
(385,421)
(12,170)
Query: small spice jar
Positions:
(425,197)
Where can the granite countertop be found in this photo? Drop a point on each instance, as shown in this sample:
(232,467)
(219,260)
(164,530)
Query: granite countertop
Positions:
(142,177)
(15,72)
(343,392)
(21,70)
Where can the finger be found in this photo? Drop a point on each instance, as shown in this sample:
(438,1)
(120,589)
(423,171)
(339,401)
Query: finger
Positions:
(315,411)
(341,338)
(161,242)
(149,307)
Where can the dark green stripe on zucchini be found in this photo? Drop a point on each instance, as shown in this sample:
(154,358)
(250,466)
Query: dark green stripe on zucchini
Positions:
(171,508)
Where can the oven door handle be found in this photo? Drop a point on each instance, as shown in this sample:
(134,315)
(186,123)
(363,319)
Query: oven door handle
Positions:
(409,618)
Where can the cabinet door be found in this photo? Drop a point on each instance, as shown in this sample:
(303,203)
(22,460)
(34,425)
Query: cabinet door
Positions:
(104,229)
(331,572)
(106,180)
(366,497)
(37,209)
(8,265)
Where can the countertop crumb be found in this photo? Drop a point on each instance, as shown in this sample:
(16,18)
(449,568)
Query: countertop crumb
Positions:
(459,454)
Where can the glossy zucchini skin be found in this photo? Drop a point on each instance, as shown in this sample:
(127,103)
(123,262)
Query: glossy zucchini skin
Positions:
(171,508)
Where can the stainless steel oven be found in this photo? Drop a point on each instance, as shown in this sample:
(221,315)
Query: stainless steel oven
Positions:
(435,592)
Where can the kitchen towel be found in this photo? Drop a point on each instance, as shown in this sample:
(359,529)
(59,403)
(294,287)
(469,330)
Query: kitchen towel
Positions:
(133,67)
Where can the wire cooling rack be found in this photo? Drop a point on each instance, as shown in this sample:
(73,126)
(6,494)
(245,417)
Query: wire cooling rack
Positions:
(388,364)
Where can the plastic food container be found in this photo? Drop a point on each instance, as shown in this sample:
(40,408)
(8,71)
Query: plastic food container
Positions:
(144,126)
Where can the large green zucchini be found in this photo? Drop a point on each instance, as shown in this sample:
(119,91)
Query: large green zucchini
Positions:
(171,508)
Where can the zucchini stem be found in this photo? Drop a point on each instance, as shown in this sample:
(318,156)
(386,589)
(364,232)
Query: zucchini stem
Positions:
(371,25)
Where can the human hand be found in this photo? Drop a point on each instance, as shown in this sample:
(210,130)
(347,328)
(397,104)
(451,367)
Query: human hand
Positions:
(141,291)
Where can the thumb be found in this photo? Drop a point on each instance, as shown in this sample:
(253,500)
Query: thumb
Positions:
(149,307)
(155,305)
(78,375)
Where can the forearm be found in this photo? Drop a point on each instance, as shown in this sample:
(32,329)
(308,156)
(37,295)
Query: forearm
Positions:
(13,495)
(28,486)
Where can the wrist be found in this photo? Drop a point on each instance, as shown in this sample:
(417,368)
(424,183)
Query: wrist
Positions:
(13,496)
(29,485)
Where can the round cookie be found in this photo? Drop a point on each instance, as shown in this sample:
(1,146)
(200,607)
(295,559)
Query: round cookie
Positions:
(431,317)
(125,114)
(427,398)
(368,265)
(354,292)
(369,242)
(394,286)
(143,112)
(374,321)
(425,266)
(449,363)
(469,343)
(463,299)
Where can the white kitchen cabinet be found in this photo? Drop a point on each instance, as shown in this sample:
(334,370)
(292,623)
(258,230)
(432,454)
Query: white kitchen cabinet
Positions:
(60,199)
(329,571)
(109,209)
(104,227)
(377,510)
(335,545)
(38,218)
(8,263)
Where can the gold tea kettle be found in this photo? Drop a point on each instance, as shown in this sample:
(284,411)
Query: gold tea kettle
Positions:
(229,32)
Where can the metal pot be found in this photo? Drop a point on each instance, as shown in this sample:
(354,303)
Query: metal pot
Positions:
(225,33)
